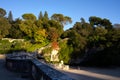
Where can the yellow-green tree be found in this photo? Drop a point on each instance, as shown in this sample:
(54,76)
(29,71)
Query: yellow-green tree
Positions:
(40,35)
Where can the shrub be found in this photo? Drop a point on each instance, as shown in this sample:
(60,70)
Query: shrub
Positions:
(5,46)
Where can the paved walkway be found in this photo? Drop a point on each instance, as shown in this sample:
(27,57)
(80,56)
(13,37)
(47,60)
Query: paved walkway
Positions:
(87,73)
(6,74)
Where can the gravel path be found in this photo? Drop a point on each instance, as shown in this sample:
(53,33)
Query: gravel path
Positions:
(87,73)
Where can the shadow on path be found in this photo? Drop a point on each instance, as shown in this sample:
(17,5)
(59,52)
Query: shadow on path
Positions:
(86,73)
(111,71)
(6,74)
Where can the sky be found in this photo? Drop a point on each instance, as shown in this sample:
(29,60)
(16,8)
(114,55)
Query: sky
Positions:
(75,9)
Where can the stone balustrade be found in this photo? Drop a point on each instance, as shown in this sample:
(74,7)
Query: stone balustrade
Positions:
(35,68)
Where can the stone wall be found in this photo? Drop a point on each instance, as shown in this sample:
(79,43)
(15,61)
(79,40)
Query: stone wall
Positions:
(36,69)
(11,40)
(41,71)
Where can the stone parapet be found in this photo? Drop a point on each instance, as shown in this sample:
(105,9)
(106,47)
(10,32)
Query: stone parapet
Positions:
(33,67)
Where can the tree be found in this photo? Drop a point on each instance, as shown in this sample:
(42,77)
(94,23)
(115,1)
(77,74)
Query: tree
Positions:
(29,16)
(98,37)
(100,31)
(95,20)
(40,17)
(34,29)
(40,35)
(4,27)
(83,28)
(82,20)
(4,24)
(61,18)
(52,34)
(46,15)
(29,28)
(15,31)
(113,37)
(116,38)
(57,26)
(2,12)
(77,40)
(10,16)
(65,52)
(67,20)
(39,23)
(107,24)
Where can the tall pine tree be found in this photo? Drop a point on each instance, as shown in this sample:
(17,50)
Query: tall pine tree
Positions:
(46,15)
(40,16)
(10,16)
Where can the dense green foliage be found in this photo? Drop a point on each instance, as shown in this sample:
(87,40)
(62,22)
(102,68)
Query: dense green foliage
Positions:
(65,52)
(17,45)
(4,46)
(96,41)
(4,27)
